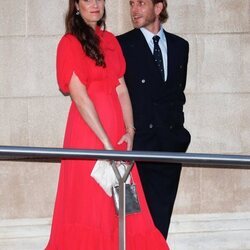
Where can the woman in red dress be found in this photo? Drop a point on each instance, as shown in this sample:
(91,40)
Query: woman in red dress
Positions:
(90,67)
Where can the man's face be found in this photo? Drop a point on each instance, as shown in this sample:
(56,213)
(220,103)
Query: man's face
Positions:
(143,13)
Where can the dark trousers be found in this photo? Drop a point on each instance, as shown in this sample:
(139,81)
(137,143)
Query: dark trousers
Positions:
(160,183)
(160,180)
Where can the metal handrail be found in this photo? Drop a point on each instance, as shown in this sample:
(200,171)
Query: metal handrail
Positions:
(18,153)
(209,160)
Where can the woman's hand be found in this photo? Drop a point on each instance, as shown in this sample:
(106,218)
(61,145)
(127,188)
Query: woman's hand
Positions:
(128,138)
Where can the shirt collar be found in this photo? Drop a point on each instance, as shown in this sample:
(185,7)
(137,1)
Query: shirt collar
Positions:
(149,35)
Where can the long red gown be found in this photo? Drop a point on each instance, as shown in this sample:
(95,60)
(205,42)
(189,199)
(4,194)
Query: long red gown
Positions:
(84,215)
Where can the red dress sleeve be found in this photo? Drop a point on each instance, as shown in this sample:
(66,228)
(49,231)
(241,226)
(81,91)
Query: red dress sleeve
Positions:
(70,59)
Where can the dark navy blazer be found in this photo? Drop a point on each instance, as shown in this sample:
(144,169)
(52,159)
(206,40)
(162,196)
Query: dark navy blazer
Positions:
(157,105)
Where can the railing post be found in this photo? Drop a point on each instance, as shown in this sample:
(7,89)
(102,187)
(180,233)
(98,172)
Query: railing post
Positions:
(122,215)
(122,202)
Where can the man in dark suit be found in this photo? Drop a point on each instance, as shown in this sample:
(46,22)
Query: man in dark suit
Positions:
(156,77)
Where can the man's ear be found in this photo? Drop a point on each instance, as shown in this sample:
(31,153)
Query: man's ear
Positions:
(158,8)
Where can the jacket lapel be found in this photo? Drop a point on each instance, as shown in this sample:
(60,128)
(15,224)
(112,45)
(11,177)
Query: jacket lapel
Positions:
(171,55)
(142,48)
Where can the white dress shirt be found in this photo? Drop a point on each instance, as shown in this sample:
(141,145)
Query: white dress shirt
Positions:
(162,43)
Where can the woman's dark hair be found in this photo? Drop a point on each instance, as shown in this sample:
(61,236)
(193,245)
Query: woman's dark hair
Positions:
(90,42)
(164,14)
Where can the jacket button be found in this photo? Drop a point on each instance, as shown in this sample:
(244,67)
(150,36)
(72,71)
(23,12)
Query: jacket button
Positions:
(181,66)
(170,127)
(151,125)
(143,81)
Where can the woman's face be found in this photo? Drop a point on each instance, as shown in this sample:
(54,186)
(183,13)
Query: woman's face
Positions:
(91,10)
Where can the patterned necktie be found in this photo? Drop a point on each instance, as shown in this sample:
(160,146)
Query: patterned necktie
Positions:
(158,55)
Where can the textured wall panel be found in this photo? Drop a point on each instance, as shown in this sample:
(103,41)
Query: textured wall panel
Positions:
(46,18)
(217,121)
(47,121)
(221,67)
(13,121)
(213,16)
(12,18)
(27,190)
(13,67)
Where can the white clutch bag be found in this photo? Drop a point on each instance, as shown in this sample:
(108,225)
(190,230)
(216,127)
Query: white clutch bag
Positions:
(104,175)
